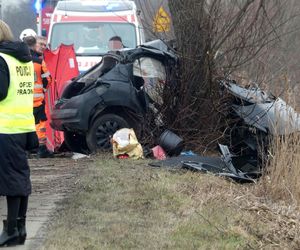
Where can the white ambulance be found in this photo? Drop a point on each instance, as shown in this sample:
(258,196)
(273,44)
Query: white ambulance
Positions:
(89,25)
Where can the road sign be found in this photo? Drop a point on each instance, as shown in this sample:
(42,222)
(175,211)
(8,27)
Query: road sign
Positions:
(162,21)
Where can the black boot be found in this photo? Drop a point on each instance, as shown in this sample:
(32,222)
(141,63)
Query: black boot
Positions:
(22,230)
(43,152)
(10,234)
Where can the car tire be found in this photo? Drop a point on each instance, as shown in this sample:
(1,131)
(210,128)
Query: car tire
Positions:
(76,142)
(102,129)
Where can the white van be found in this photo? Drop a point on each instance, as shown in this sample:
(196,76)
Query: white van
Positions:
(90,24)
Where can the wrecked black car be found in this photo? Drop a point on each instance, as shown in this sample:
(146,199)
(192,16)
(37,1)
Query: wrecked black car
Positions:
(115,93)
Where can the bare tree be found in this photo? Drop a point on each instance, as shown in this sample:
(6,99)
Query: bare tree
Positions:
(215,38)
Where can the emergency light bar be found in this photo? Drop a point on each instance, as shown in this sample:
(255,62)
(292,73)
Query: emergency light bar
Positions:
(37,6)
(95,6)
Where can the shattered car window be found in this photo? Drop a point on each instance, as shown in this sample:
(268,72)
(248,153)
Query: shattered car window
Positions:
(154,74)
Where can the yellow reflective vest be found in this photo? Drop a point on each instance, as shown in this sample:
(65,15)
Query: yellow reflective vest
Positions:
(16,110)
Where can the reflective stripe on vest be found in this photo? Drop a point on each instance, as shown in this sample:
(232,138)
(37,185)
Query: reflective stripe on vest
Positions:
(16,110)
(38,96)
(38,86)
(46,74)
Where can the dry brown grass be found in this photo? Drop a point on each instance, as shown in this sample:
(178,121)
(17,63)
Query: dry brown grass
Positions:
(280,187)
(281,180)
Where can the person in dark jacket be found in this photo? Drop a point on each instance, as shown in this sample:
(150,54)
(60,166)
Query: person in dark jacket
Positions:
(16,129)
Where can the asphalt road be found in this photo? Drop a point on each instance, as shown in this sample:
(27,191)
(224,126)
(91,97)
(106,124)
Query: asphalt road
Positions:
(52,179)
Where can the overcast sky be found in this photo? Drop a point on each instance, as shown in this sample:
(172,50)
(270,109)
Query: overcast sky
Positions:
(19,15)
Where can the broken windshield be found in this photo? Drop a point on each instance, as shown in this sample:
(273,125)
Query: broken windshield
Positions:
(154,74)
(91,38)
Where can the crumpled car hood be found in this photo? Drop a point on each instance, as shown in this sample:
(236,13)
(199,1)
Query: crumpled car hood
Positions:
(264,111)
(277,118)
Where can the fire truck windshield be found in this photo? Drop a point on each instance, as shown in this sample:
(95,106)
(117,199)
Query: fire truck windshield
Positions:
(91,38)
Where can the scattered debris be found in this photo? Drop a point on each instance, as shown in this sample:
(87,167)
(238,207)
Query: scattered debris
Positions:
(159,153)
(220,166)
(189,152)
(171,143)
(77,156)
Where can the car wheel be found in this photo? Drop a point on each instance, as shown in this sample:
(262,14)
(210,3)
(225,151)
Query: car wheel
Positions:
(102,129)
(76,142)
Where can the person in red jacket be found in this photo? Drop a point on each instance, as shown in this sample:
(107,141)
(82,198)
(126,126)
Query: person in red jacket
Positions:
(42,81)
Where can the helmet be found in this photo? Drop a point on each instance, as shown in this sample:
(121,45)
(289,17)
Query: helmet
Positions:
(27,32)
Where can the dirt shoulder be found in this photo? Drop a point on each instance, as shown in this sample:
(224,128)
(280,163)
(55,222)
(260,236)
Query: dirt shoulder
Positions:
(52,179)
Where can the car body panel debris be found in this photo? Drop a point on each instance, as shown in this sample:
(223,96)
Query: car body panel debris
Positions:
(219,166)
(263,111)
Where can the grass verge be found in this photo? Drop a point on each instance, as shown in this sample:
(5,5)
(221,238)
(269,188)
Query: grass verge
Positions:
(124,204)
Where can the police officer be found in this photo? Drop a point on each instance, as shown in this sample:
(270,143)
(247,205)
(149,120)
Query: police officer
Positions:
(16,124)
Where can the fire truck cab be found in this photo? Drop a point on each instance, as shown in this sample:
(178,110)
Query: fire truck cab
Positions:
(89,25)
